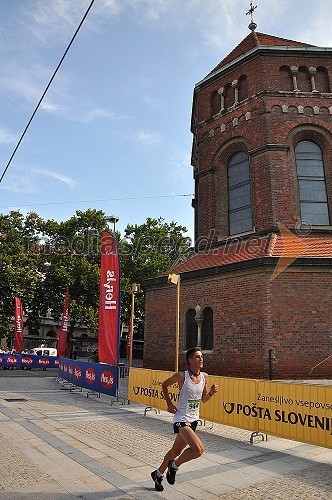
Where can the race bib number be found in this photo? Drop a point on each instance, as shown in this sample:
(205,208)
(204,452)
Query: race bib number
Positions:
(192,408)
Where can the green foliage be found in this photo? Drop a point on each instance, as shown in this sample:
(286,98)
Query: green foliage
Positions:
(40,258)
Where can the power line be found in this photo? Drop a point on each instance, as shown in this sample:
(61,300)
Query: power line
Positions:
(101,200)
(45,91)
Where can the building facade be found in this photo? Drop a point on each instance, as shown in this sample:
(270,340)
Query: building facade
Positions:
(256,293)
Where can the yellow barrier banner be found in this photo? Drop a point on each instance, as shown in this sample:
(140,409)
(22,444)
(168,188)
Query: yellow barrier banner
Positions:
(302,412)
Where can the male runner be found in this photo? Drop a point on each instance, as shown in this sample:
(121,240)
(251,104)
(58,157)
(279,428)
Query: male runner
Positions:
(187,445)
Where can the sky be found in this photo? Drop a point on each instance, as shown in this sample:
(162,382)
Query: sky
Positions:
(113,131)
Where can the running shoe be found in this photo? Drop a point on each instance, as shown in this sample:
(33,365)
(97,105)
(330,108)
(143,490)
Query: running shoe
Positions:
(157,481)
(171,471)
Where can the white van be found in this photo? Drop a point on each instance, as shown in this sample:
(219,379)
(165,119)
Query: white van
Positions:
(45,351)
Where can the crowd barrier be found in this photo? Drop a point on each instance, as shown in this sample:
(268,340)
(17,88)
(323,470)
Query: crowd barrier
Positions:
(28,361)
(302,412)
(96,377)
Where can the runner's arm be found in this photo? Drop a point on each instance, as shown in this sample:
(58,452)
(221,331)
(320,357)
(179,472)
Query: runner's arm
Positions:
(207,395)
(177,378)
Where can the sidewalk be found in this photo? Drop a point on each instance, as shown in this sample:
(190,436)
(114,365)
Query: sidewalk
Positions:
(61,445)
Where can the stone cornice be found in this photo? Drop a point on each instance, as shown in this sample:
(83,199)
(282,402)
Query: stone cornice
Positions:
(267,148)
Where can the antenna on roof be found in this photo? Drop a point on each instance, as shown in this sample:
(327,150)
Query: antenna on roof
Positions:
(252,26)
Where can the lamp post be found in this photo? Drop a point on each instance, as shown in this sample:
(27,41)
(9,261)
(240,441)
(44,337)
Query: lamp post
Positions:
(135,288)
(113,219)
(175,279)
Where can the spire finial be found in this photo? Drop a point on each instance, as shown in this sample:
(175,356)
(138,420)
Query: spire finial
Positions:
(252,26)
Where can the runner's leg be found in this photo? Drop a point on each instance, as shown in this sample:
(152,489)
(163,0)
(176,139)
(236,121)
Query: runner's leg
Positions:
(178,446)
(195,450)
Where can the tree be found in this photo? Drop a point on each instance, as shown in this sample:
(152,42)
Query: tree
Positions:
(39,259)
(146,251)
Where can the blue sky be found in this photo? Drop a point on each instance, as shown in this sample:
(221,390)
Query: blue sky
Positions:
(113,132)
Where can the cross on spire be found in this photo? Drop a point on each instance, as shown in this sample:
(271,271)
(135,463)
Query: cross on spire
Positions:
(252,26)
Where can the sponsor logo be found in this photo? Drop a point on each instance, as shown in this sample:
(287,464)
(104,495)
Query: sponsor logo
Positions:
(77,373)
(70,370)
(11,360)
(43,361)
(106,379)
(110,292)
(27,361)
(90,375)
(56,362)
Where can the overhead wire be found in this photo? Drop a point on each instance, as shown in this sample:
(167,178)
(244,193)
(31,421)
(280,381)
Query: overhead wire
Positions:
(45,91)
(101,200)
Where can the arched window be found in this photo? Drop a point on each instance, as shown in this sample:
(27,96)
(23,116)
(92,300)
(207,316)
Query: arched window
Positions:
(215,103)
(207,329)
(312,188)
(243,88)
(191,329)
(322,80)
(239,194)
(303,79)
(286,80)
(229,96)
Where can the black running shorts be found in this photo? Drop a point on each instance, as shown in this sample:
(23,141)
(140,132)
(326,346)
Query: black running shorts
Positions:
(177,425)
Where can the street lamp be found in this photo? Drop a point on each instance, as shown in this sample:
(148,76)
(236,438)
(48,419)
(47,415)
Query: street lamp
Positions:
(113,219)
(175,279)
(135,288)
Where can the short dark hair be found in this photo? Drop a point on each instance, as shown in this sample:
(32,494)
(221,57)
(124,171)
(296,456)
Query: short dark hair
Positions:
(191,351)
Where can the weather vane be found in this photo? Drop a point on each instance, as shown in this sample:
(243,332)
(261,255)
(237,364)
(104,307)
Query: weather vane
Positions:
(252,26)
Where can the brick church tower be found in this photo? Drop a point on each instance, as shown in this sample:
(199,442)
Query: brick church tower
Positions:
(256,294)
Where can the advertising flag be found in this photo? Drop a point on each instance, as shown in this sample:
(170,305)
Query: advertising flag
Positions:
(18,325)
(109,301)
(62,342)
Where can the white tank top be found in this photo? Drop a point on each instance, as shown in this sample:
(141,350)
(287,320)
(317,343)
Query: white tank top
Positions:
(189,399)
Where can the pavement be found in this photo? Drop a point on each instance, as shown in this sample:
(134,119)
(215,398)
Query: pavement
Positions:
(62,445)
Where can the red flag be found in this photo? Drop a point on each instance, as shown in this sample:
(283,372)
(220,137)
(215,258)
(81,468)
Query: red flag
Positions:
(109,301)
(62,342)
(18,325)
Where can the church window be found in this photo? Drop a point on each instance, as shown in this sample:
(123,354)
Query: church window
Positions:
(286,80)
(207,329)
(191,329)
(311,181)
(239,194)
(215,103)
(322,80)
(303,80)
(243,88)
(229,96)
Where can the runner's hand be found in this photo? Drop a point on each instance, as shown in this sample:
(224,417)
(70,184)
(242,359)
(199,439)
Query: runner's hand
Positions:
(214,389)
(171,408)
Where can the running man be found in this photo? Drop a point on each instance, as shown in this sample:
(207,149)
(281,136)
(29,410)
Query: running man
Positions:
(187,445)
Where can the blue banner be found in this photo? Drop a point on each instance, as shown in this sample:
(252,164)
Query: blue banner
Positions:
(28,361)
(97,377)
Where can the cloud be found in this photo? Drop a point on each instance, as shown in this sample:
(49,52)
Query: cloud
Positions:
(18,184)
(179,167)
(98,113)
(71,183)
(147,138)
(7,137)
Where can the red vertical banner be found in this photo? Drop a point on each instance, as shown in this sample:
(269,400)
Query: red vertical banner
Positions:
(18,325)
(62,342)
(109,301)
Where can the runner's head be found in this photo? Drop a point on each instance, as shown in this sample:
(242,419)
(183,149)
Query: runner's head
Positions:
(194,358)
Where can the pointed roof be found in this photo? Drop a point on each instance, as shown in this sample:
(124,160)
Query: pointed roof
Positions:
(254,40)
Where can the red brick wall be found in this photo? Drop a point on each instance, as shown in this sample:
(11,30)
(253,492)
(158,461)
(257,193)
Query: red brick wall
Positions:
(251,315)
